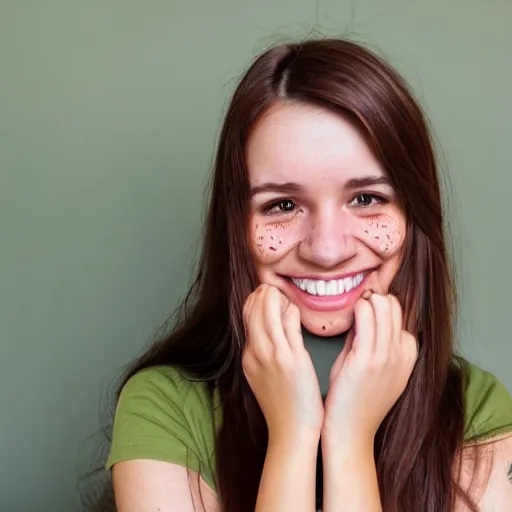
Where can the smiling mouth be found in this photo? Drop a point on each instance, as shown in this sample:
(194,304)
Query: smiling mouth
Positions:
(334,287)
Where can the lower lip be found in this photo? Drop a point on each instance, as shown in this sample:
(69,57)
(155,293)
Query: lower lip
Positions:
(327,302)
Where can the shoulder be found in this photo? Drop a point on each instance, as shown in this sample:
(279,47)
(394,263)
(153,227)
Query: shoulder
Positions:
(166,393)
(164,415)
(165,385)
(488,404)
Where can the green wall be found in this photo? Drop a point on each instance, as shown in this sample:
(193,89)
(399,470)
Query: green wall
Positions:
(109,112)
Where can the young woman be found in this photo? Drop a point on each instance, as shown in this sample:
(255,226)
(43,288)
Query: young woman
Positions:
(324,229)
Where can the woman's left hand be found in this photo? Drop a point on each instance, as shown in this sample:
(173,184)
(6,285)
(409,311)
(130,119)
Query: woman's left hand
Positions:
(371,372)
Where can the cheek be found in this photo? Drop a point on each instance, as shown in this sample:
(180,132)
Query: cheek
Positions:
(384,234)
(272,240)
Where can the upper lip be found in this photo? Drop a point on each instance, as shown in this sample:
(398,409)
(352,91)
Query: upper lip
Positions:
(335,277)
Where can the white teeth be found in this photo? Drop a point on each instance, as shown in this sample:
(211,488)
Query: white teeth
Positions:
(329,288)
(308,286)
(332,288)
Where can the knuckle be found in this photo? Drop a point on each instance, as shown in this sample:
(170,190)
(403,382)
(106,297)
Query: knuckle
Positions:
(262,353)
(260,358)
(246,309)
(260,289)
(250,369)
(248,362)
(247,322)
(249,302)
(395,303)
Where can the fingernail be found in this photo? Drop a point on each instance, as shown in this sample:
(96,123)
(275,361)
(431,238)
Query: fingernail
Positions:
(367,294)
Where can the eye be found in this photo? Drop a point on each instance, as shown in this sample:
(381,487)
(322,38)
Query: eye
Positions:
(286,205)
(283,206)
(366,200)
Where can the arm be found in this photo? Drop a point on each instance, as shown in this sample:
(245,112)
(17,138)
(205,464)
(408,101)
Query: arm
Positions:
(288,478)
(282,377)
(150,485)
(367,378)
(489,482)
(350,477)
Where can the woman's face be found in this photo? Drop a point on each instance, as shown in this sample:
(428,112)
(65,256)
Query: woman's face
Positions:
(325,223)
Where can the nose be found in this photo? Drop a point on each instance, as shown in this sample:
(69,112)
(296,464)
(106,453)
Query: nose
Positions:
(328,241)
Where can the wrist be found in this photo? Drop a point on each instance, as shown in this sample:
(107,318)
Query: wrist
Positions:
(355,456)
(297,453)
(303,440)
(346,444)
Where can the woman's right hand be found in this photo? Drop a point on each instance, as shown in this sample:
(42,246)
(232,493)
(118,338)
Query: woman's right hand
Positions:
(278,367)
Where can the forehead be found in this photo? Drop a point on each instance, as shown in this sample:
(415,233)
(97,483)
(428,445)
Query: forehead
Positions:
(307,143)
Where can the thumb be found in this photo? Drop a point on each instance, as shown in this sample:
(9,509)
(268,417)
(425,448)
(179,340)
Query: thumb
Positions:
(340,360)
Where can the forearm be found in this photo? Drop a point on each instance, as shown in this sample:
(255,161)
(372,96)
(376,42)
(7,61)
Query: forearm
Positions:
(288,477)
(350,478)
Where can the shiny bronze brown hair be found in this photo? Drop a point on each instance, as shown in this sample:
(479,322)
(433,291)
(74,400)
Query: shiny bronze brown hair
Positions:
(418,443)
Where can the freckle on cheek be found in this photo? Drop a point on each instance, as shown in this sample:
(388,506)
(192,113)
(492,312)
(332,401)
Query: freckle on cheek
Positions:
(273,239)
(382,233)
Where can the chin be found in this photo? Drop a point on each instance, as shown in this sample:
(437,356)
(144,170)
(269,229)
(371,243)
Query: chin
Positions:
(327,324)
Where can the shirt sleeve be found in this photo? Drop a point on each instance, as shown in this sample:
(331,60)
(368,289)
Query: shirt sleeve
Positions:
(161,415)
(488,406)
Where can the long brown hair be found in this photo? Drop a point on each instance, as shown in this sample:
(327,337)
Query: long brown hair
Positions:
(418,442)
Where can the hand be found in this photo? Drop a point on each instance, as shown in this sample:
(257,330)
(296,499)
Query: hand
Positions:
(371,372)
(279,368)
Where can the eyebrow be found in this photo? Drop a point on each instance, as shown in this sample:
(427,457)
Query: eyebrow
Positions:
(367,181)
(276,187)
(290,187)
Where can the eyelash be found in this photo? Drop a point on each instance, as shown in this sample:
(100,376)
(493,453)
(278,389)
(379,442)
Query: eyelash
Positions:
(375,198)
(268,208)
(378,200)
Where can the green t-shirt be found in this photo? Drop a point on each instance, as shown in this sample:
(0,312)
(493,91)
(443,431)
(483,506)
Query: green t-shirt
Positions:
(164,416)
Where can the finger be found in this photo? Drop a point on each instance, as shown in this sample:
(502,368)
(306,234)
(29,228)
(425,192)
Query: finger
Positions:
(396,315)
(342,356)
(383,324)
(250,363)
(367,294)
(292,326)
(247,313)
(364,325)
(257,336)
(272,318)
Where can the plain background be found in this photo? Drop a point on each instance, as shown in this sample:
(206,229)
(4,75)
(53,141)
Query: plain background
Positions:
(109,113)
